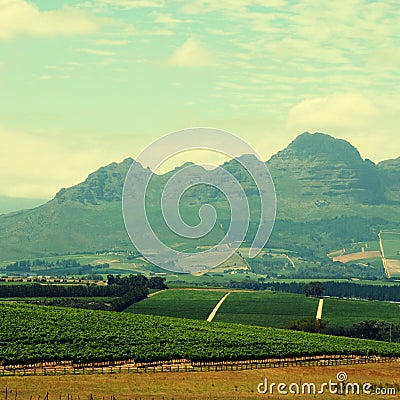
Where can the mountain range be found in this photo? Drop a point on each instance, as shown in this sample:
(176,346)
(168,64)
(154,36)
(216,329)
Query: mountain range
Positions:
(327,195)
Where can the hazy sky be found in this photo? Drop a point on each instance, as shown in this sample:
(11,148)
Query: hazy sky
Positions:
(85,83)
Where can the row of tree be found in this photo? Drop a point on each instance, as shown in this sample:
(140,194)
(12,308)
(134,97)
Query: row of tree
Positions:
(371,329)
(316,288)
(116,287)
(61,291)
(155,282)
(133,295)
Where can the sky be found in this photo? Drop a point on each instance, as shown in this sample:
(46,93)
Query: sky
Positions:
(86,83)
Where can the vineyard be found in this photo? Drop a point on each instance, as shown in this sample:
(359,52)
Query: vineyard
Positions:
(194,304)
(266,308)
(35,334)
(346,312)
(251,308)
(391,245)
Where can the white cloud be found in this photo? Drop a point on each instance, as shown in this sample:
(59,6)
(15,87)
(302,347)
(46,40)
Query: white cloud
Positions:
(370,125)
(111,42)
(36,164)
(166,19)
(22,17)
(191,54)
(160,32)
(342,111)
(97,52)
(127,4)
(231,7)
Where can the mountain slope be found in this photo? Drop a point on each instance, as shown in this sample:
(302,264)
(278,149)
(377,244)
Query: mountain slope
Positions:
(317,171)
(390,174)
(327,195)
(85,217)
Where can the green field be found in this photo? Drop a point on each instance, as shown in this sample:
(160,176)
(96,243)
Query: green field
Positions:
(30,334)
(343,312)
(391,245)
(250,308)
(266,308)
(194,304)
(357,247)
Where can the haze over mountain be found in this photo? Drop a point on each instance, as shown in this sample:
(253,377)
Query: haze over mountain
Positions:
(12,204)
(327,194)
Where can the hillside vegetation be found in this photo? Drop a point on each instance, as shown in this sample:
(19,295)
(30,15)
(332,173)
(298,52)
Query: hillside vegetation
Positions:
(327,196)
(31,334)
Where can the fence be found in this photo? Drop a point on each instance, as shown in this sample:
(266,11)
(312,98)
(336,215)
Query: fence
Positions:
(196,367)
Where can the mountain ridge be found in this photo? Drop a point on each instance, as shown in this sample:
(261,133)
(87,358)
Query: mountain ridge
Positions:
(317,178)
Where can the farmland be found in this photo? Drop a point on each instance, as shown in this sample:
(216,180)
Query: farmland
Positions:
(343,312)
(266,308)
(391,245)
(194,304)
(390,242)
(357,256)
(31,334)
(207,385)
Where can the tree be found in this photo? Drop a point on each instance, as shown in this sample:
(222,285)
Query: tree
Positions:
(307,325)
(315,289)
(157,282)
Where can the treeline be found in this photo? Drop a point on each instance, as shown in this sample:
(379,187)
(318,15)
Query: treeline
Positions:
(133,295)
(155,282)
(330,288)
(123,291)
(26,266)
(132,288)
(54,291)
(372,329)
(116,287)
(344,290)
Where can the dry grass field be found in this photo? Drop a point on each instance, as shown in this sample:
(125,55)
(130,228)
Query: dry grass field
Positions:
(198,385)
(357,256)
(393,267)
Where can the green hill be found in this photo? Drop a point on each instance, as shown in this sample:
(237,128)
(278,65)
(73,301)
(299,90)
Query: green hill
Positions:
(390,175)
(327,196)
(85,217)
(31,334)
